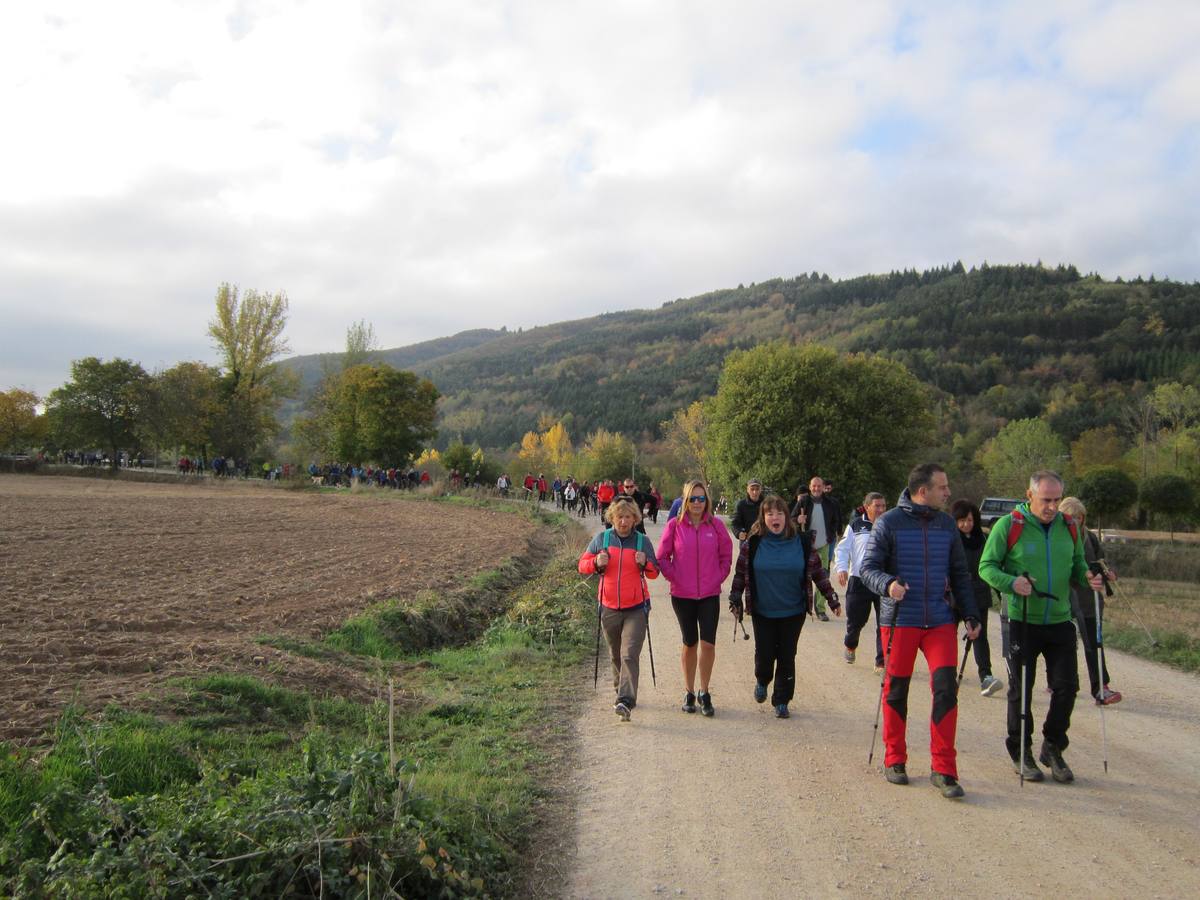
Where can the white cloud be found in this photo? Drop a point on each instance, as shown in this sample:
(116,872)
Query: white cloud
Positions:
(434,167)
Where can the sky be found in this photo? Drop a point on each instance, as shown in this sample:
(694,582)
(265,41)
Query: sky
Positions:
(438,166)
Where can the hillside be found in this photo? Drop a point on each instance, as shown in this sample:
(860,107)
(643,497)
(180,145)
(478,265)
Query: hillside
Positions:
(996,341)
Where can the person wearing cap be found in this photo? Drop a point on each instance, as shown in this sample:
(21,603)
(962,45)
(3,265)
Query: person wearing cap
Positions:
(745,514)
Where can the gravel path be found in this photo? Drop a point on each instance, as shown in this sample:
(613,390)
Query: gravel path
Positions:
(745,805)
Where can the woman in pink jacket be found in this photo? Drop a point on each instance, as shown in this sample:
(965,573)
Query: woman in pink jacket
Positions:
(695,555)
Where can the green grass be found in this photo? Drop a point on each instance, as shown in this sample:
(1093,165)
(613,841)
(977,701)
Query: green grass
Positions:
(1169,609)
(243,788)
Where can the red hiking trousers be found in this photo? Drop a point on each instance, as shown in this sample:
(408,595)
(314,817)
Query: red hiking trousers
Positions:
(941,655)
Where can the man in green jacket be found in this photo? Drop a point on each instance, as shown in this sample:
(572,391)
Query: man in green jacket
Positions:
(1031,557)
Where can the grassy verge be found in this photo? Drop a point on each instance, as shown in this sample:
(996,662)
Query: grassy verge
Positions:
(239,788)
(1171,612)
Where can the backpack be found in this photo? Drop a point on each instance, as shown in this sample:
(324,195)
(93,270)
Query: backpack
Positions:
(640,539)
(1018,525)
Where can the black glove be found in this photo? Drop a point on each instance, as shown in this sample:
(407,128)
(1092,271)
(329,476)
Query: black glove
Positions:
(735,607)
(646,604)
(835,602)
(971,622)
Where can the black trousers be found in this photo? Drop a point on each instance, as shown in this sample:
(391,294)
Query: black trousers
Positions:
(775,654)
(1087,629)
(1056,644)
(859,603)
(983,652)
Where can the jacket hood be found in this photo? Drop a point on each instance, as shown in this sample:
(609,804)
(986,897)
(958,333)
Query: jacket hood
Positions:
(913,508)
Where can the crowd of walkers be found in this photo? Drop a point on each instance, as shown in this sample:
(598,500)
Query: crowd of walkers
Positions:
(923,568)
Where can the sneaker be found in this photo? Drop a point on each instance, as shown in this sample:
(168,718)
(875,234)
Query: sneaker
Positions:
(1108,697)
(823,616)
(760,692)
(689,702)
(621,708)
(947,784)
(1059,770)
(989,685)
(896,774)
(848,655)
(1032,772)
(781,711)
(706,707)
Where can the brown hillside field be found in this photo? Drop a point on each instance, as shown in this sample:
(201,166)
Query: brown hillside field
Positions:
(109,588)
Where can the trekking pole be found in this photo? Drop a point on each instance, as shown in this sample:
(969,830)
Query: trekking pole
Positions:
(745,634)
(962,668)
(596,674)
(1120,595)
(887,658)
(1098,570)
(1026,714)
(649,639)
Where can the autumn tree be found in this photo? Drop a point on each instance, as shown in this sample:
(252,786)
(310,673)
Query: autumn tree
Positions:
(20,425)
(247,332)
(101,406)
(686,434)
(606,454)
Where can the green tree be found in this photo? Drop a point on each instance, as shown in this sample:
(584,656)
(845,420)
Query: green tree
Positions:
(101,406)
(361,344)
(1107,492)
(785,413)
(20,425)
(182,403)
(1178,405)
(1020,449)
(1168,495)
(378,414)
(248,333)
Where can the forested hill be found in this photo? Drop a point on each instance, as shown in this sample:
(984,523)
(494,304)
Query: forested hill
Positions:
(1015,341)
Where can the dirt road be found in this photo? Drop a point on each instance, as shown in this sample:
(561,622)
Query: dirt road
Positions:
(746,805)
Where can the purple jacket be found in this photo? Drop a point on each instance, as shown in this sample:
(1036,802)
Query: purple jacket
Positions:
(695,560)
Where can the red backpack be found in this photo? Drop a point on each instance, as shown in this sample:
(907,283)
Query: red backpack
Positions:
(1018,525)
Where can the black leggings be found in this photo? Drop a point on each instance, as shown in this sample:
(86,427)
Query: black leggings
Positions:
(697,618)
(775,654)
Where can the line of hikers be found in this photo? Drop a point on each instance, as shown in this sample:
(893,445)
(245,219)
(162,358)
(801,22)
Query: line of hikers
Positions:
(922,571)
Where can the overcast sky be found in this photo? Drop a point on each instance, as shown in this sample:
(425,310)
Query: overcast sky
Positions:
(437,166)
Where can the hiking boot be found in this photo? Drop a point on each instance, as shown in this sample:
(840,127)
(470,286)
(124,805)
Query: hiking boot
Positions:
(989,684)
(895,774)
(848,654)
(947,784)
(1032,772)
(1059,770)
(823,616)
(689,702)
(706,707)
(1108,697)
(760,692)
(781,711)
(621,708)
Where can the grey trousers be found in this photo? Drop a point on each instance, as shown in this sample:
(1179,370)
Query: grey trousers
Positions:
(625,630)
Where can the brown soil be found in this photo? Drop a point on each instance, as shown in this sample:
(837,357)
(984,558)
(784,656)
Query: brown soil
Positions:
(108,588)
(747,805)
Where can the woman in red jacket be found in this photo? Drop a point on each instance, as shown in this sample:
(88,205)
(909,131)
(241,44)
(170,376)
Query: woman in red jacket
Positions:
(624,559)
(695,554)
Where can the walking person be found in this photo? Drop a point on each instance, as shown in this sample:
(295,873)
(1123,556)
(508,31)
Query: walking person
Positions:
(624,560)
(860,600)
(822,520)
(1083,605)
(774,563)
(745,514)
(966,517)
(1032,556)
(912,554)
(694,554)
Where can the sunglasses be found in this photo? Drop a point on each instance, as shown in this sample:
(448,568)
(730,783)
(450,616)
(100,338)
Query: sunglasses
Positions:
(695,499)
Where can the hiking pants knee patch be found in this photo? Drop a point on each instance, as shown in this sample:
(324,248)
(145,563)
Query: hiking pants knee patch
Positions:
(945,692)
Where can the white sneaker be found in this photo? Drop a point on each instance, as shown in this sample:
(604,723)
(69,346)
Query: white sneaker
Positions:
(990,685)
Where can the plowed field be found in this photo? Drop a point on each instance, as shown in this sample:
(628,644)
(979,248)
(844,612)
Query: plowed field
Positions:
(108,588)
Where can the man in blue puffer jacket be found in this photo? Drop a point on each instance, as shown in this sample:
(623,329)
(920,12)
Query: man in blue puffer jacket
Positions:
(914,555)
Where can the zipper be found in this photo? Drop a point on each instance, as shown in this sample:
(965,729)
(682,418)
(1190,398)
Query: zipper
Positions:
(697,555)
(1049,577)
(620,563)
(925,539)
